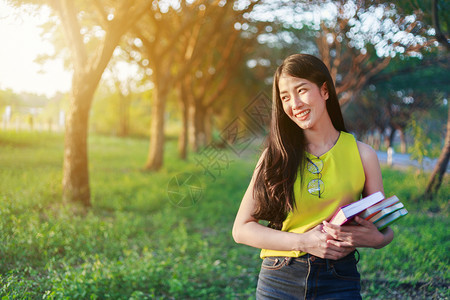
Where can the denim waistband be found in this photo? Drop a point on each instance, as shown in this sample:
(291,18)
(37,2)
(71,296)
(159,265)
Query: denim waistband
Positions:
(309,277)
(317,260)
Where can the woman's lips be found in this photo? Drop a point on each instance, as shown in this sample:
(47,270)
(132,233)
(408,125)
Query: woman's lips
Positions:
(303,114)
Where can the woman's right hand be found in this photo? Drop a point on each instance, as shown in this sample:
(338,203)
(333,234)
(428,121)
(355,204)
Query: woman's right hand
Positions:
(315,240)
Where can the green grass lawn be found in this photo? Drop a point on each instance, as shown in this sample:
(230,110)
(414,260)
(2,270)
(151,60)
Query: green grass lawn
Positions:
(135,243)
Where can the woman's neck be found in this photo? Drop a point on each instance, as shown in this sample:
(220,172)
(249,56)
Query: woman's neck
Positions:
(321,141)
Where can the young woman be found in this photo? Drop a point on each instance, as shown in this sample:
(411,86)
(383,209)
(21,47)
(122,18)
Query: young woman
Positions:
(310,168)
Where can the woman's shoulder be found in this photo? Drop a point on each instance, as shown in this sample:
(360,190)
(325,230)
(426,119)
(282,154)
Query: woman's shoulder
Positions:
(366,152)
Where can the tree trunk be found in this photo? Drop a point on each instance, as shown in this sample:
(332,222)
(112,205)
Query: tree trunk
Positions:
(385,138)
(75,166)
(435,180)
(402,141)
(391,137)
(156,151)
(199,134)
(183,137)
(191,125)
(376,134)
(124,111)
(209,125)
(440,36)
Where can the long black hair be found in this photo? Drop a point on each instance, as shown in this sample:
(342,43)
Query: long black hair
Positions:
(284,156)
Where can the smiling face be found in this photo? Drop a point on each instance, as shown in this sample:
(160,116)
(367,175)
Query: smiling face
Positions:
(303,101)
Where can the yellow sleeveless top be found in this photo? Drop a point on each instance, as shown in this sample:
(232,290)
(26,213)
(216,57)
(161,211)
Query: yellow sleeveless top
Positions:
(343,181)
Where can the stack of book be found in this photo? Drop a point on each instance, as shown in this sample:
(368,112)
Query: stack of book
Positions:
(375,208)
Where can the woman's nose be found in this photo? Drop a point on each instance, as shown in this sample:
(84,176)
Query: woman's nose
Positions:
(297,102)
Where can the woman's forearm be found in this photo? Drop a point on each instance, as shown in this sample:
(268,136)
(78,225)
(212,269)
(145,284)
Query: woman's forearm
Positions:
(313,241)
(259,236)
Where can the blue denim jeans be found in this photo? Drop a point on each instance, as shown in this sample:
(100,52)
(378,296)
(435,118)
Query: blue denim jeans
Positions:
(309,277)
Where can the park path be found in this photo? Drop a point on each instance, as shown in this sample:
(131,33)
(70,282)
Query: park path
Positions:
(404,161)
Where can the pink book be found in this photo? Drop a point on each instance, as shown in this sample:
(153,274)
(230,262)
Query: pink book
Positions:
(348,212)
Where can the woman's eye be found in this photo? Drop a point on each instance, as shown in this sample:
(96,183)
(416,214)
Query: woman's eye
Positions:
(301,91)
(285,98)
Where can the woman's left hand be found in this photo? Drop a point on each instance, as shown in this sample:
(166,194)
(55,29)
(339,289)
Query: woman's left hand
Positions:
(365,234)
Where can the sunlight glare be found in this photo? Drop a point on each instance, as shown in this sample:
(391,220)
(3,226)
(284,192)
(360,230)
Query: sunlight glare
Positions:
(21,44)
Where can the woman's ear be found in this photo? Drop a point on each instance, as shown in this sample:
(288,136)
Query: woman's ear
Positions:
(324,90)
